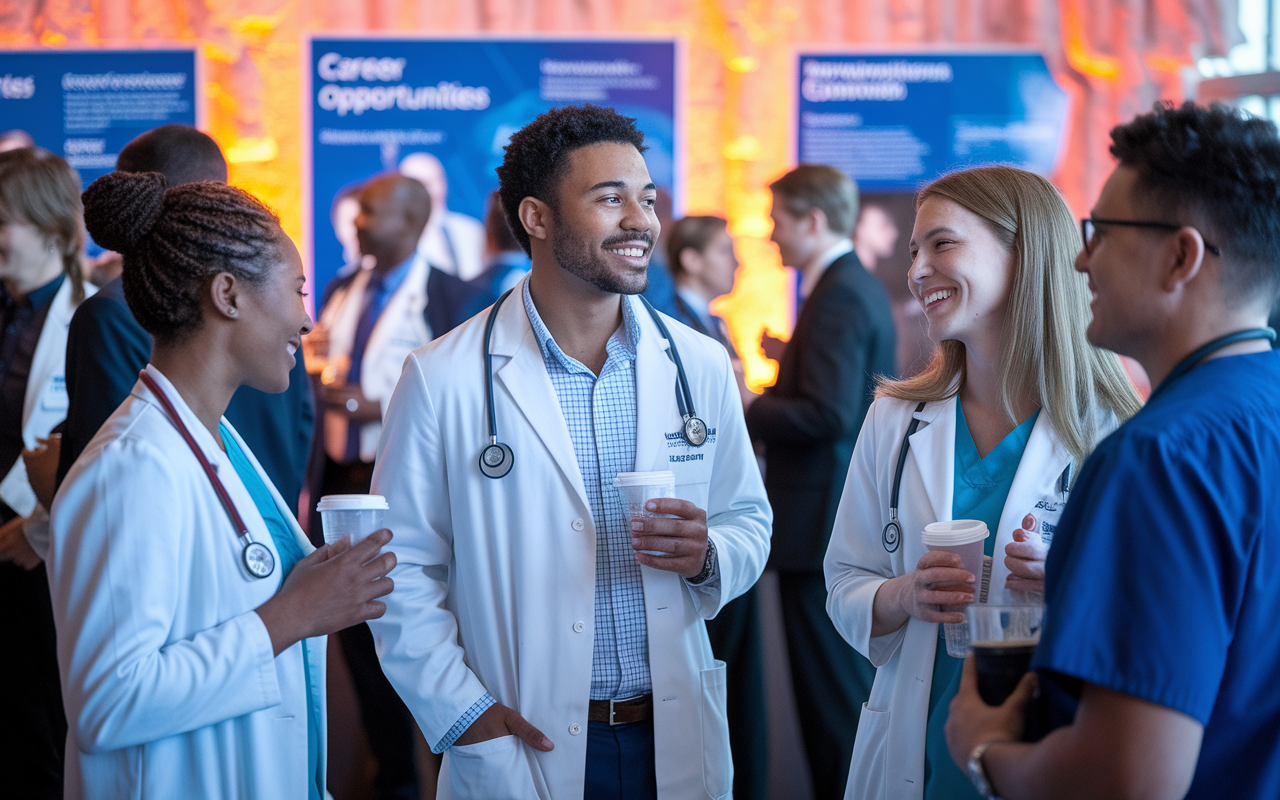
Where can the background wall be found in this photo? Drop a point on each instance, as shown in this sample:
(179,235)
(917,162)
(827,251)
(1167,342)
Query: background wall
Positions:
(1114,58)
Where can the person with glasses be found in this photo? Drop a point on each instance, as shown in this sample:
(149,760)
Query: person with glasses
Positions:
(1159,650)
(1014,400)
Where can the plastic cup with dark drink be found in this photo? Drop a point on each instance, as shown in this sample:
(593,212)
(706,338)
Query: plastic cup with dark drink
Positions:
(965,538)
(1003,639)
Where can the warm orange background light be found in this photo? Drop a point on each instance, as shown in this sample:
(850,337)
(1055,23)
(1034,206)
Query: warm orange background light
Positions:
(1114,58)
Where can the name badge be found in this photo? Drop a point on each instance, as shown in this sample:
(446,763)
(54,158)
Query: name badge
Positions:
(54,397)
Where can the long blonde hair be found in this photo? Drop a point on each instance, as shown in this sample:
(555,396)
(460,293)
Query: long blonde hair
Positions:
(1045,355)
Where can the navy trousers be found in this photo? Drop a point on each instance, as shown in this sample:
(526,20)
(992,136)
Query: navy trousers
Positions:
(620,762)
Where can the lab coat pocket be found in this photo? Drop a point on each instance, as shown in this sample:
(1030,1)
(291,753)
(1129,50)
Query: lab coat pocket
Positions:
(717,761)
(495,769)
(868,775)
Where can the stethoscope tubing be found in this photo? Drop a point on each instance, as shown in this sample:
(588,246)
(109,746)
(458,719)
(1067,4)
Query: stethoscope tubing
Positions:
(498,468)
(257,558)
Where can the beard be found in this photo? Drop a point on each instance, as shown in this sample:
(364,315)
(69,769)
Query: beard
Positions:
(577,257)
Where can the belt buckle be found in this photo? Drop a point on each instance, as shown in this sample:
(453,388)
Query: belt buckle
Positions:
(623,700)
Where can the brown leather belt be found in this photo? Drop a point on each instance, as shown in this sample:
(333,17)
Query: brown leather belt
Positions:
(621,712)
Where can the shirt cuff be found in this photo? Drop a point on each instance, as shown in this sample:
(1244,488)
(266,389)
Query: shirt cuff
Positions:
(710,567)
(36,530)
(464,722)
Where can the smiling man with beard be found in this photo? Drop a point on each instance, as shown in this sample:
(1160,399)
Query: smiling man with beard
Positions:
(546,643)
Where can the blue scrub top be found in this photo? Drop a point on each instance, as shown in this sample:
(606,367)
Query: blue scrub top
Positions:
(1162,580)
(980,491)
(290,554)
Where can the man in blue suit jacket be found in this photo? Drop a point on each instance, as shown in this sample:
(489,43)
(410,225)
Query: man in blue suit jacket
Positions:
(107,348)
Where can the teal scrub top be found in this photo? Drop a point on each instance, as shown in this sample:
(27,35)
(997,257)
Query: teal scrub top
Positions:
(290,554)
(980,491)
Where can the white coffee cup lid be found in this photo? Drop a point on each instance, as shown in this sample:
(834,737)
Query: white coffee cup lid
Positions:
(954,532)
(352,502)
(661,478)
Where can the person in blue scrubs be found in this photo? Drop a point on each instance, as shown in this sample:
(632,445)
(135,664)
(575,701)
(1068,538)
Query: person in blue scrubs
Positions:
(190,653)
(1159,647)
(1014,398)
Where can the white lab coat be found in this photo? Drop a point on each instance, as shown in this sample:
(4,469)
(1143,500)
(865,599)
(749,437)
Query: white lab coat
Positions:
(43,407)
(495,587)
(400,329)
(168,678)
(888,754)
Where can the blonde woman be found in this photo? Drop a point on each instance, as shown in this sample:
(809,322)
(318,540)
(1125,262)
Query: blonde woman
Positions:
(1015,399)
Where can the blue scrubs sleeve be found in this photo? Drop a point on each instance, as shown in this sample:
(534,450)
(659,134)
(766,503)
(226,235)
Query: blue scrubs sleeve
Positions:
(1140,590)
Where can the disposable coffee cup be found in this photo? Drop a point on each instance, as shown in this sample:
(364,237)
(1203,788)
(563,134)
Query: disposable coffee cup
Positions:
(965,538)
(1004,638)
(354,515)
(635,489)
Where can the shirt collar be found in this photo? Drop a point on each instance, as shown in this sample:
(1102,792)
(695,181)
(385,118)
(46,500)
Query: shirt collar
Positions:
(698,304)
(37,299)
(391,281)
(810,279)
(622,343)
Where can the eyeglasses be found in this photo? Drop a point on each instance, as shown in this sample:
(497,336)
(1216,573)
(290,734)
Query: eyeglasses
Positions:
(1089,224)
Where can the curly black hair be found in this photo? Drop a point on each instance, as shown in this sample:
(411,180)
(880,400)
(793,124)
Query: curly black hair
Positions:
(1220,168)
(538,154)
(174,239)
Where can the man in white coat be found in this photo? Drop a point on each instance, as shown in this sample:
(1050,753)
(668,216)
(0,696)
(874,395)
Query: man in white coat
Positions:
(535,641)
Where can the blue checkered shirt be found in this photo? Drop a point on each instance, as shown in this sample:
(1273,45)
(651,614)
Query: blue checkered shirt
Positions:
(601,416)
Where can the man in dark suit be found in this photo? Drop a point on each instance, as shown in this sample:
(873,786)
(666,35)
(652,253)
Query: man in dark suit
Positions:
(370,320)
(107,348)
(702,260)
(808,422)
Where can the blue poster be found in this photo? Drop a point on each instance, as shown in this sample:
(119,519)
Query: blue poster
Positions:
(896,121)
(442,111)
(86,105)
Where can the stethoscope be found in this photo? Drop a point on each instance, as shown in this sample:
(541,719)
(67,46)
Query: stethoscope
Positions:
(496,459)
(891,536)
(1192,361)
(257,558)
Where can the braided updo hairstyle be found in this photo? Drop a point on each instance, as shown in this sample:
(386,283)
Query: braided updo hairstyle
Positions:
(175,240)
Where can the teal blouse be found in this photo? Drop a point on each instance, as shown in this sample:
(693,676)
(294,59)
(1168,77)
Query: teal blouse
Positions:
(290,554)
(980,491)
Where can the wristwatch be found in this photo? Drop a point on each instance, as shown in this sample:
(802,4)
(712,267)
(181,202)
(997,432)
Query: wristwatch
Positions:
(978,773)
(708,565)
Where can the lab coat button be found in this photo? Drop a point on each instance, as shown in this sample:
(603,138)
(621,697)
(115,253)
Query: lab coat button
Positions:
(578,627)
(578,524)
(575,728)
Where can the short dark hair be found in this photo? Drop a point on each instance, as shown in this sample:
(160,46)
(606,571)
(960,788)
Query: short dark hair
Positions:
(1219,168)
(538,154)
(175,239)
(825,188)
(179,152)
(690,232)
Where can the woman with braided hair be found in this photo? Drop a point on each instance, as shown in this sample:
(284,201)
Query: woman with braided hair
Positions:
(191,621)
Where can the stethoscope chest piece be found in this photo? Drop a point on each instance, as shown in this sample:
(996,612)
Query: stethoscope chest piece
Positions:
(695,431)
(258,560)
(496,460)
(891,537)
